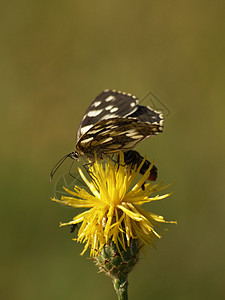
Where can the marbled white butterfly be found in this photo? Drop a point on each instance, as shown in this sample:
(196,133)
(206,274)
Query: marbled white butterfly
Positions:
(115,122)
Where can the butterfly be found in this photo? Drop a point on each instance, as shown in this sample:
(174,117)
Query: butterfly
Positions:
(114,122)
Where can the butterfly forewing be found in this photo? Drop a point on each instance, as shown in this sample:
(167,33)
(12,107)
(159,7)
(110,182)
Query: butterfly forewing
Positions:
(108,104)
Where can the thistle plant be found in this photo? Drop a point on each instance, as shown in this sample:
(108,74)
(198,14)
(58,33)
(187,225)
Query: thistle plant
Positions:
(115,227)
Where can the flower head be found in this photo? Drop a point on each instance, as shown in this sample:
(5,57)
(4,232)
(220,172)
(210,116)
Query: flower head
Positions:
(115,213)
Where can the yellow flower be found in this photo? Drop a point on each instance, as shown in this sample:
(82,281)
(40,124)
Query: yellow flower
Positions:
(115,212)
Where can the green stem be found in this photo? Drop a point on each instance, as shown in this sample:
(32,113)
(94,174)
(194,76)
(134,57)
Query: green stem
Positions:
(121,287)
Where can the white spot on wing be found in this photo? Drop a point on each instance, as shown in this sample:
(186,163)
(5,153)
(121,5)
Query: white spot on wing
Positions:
(85,129)
(156,111)
(109,117)
(94,113)
(110,98)
(93,131)
(114,109)
(87,140)
(109,107)
(132,104)
(106,131)
(96,103)
(107,140)
(131,132)
(161,122)
(137,137)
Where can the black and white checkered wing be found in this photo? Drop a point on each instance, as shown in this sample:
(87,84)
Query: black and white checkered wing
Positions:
(147,114)
(108,104)
(115,122)
(114,135)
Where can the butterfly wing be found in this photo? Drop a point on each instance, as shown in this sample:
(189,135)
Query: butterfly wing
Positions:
(108,104)
(114,135)
(147,114)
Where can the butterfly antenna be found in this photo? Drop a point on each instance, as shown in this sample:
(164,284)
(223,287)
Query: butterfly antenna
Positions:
(93,177)
(56,166)
(70,173)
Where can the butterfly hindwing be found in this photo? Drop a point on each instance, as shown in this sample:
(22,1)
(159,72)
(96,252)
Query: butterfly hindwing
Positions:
(112,135)
(147,114)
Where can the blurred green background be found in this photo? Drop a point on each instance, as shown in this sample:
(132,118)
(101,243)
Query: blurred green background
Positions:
(55,57)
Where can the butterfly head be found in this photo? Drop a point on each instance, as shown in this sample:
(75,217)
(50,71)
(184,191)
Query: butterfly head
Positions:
(74,155)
